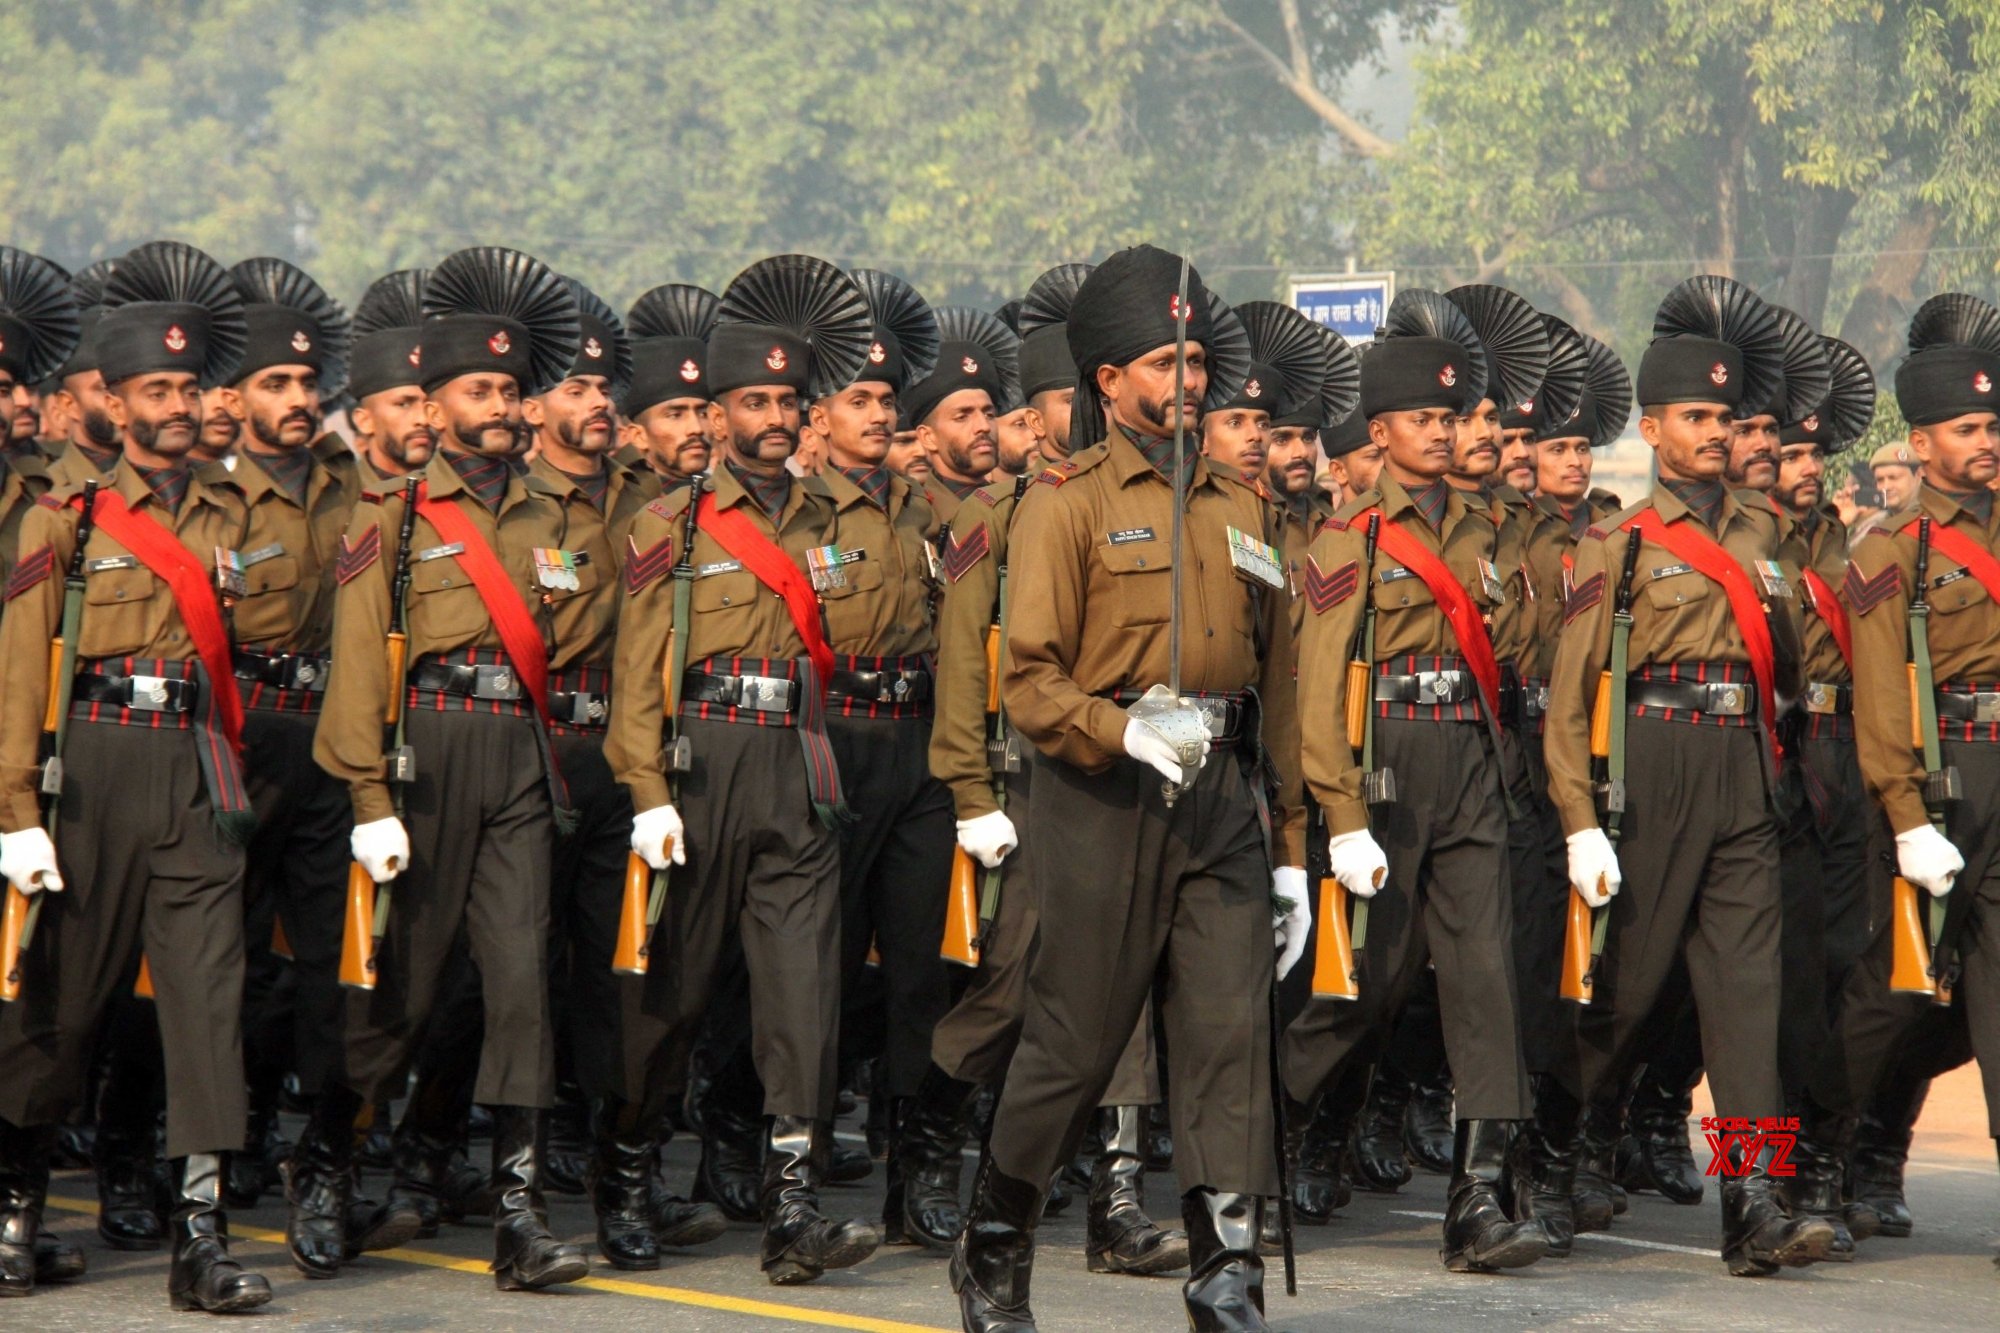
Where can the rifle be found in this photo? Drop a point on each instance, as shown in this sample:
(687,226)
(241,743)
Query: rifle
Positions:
(632,953)
(17,923)
(1921,963)
(367,916)
(1607,742)
(1335,975)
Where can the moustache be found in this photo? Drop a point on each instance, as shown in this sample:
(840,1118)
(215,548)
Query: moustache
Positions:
(184,421)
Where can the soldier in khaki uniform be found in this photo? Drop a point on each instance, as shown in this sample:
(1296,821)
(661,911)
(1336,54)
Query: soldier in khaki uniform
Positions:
(1947,388)
(666,406)
(392,438)
(485,796)
(754,816)
(153,809)
(39,330)
(1129,885)
(1712,647)
(1353,459)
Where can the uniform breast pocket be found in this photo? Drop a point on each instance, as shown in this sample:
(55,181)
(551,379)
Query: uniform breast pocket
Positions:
(444,606)
(265,610)
(588,576)
(1956,623)
(1680,612)
(1142,588)
(1398,590)
(125,609)
(862,576)
(726,602)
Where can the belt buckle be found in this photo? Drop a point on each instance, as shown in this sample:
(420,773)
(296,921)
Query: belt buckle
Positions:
(1728,699)
(764,694)
(900,691)
(149,694)
(495,682)
(1438,687)
(1535,702)
(587,709)
(1822,698)
(1986,706)
(305,674)
(1215,712)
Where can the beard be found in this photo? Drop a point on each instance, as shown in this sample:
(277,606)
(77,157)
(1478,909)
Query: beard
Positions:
(146,434)
(572,432)
(495,435)
(98,429)
(272,433)
(751,446)
(417,439)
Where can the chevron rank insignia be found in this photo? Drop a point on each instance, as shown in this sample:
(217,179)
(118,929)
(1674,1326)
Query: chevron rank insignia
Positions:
(1864,594)
(356,556)
(1584,596)
(644,568)
(965,550)
(1325,591)
(34,567)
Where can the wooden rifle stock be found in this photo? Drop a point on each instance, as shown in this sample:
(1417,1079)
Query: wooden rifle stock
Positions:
(142,988)
(12,925)
(357,935)
(1578,983)
(1910,972)
(961,919)
(630,956)
(1357,704)
(993,668)
(1334,974)
(1600,718)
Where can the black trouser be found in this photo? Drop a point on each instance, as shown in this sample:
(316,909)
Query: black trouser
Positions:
(1823,851)
(296,874)
(1878,1028)
(481,828)
(1131,891)
(1445,900)
(895,874)
(1699,854)
(1538,866)
(145,868)
(586,889)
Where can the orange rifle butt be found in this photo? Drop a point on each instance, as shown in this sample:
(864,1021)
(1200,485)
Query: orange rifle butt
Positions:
(12,927)
(143,987)
(399,660)
(961,913)
(49,718)
(1910,968)
(357,935)
(992,668)
(1577,982)
(1600,718)
(1357,702)
(1334,977)
(629,957)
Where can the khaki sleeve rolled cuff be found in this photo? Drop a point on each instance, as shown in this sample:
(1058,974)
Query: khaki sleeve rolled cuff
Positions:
(371,802)
(20,811)
(970,800)
(1346,817)
(649,792)
(1575,819)
(1905,809)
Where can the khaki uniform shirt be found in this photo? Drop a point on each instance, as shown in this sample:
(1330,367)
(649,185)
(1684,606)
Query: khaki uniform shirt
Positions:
(584,622)
(444,613)
(23,480)
(1297,526)
(889,607)
(1408,621)
(288,558)
(1678,615)
(733,615)
(1821,548)
(1089,613)
(1550,558)
(1964,639)
(126,611)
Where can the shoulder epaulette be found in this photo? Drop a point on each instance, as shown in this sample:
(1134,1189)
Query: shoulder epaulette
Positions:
(1335,523)
(1755,500)
(1055,474)
(986,497)
(1360,504)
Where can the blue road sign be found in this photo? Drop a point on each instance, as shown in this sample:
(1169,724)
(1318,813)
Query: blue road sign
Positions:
(1351,304)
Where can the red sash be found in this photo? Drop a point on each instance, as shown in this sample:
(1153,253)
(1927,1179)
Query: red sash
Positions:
(1833,613)
(1468,626)
(512,619)
(735,533)
(1955,545)
(1685,539)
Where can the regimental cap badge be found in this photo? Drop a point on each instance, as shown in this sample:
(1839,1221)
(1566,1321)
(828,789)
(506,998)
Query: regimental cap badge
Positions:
(1982,382)
(969,366)
(877,353)
(1527,406)
(593,349)
(301,343)
(500,344)
(690,371)
(1175,310)
(1811,423)
(1253,389)
(1448,376)
(777,360)
(175,338)
(1718,374)
(417,355)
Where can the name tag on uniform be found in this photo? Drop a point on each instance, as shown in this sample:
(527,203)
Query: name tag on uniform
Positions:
(1772,576)
(1952,577)
(229,580)
(715,567)
(824,563)
(1124,535)
(263,553)
(1668,571)
(932,565)
(1255,560)
(556,569)
(1394,573)
(1489,579)
(440,552)
(111,562)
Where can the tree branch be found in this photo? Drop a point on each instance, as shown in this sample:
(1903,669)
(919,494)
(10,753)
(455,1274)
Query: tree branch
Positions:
(1297,77)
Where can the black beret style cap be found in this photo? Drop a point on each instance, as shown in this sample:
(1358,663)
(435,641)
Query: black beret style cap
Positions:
(1262,390)
(975,351)
(1848,409)
(740,355)
(168,306)
(385,360)
(664,369)
(449,346)
(38,316)
(1954,364)
(791,320)
(1346,435)
(1689,369)
(490,310)
(1128,306)
(1407,374)
(1046,364)
(291,321)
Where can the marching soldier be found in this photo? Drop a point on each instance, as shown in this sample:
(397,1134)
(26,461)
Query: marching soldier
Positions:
(1429,573)
(484,795)
(1938,795)
(155,715)
(1131,884)
(1712,645)
(392,438)
(666,405)
(1353,458)
(752,817)
(39,330)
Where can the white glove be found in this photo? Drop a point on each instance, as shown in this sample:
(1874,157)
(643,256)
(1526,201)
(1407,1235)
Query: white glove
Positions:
(650,831)
(988,838)
(1288,888)
(28,861)
(1149,747)
(1358,862)
(1593,866)
(1924,855)
(382,847)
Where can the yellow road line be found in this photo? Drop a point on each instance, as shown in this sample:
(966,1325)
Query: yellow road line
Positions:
(707,1300)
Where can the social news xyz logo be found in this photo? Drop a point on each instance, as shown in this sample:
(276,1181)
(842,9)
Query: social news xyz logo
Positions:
(1735,1143)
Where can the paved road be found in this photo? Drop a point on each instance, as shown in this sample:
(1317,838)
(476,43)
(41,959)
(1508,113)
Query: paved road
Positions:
(1376,1267)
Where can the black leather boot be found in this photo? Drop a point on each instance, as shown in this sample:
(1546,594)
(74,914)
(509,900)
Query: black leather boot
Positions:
(1159,1138)
(1225,1290)
(1543,1163)
(203,1276)
(566,1159)
(1321,1183)
(677,1222)
(319,1182)
(927,1155)
(436,1179)
(57,1260)
(1757,1238)
(994,1260)
(1655,1154)
(24,1187)
(1599,1197)
(128,1186)
(1479,1237)
(1881,1152)
(373,1226)
(254,1171)
(621,1179)
(732,1143)
(1121,1238)
(799,1243)
(1427,1124)
(1379,1163)
(893,1230)
(525,1255)
(1813,1190)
